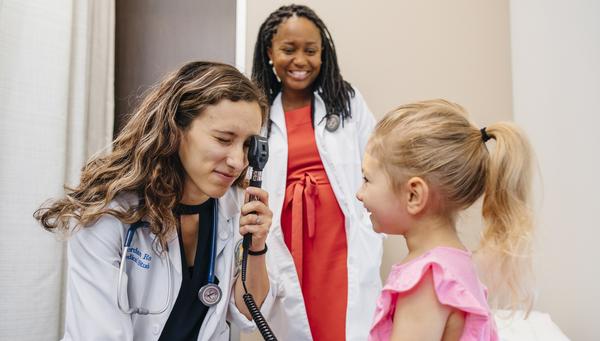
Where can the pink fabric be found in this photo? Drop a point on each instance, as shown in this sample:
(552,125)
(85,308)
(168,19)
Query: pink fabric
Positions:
(456,285)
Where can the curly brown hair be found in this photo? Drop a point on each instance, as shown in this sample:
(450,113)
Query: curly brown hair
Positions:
(144,159)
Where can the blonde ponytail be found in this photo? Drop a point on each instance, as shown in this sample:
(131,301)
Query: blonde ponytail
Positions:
(507,237)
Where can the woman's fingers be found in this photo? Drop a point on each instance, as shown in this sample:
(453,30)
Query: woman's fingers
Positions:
(256,222)
(257,193)
(256,207)
(256,217)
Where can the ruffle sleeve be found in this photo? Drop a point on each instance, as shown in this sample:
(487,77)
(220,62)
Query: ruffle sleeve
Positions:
(450,290)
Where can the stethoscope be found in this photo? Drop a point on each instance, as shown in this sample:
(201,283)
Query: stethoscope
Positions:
(209,294)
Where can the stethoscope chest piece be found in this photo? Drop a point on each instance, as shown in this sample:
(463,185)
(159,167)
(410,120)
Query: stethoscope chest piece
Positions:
(333,122)
(210,294)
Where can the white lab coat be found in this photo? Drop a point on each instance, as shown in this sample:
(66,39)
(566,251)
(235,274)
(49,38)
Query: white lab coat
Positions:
(341,153)
(94,255)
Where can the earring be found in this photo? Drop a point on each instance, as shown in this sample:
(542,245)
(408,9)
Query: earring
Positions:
(274,72)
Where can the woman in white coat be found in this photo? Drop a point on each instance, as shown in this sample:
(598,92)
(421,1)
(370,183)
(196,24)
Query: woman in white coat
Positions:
(174,172)
(323,251)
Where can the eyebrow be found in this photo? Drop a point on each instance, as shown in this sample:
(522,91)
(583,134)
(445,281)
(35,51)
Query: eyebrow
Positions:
(224,132)
(293,42)
(231,134)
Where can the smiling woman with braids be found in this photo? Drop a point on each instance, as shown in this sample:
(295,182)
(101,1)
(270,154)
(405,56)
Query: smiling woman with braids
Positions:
(324,253)
(175,169)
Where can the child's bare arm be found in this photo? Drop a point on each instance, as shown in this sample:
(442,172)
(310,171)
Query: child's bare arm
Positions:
(419,315)
(454,326)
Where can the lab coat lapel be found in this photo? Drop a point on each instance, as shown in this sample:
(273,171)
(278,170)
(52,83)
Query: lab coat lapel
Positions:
(173,248)
(229,206)
(320,114)
(175,254)
(277,116)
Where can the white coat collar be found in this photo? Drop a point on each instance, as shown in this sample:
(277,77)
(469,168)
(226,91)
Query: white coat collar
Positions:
(230,204)
(278,115)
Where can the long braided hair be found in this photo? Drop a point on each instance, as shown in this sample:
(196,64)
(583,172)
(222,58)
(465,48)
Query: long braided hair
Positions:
(329,84)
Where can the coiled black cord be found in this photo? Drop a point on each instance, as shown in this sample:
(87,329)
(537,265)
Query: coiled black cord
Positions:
(261,324)
(257,316)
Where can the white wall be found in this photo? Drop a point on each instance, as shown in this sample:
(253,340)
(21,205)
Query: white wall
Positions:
(556,84)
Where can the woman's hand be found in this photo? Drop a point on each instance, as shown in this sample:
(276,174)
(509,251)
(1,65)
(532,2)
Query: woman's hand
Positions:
(256,217)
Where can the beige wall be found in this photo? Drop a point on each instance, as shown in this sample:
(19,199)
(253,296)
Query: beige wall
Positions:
(556,77)
(396,52)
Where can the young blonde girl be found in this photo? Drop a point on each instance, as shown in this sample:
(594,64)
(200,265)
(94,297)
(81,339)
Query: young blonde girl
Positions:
(425,162)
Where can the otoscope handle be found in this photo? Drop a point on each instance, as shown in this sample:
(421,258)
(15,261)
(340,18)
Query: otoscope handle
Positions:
(255,181)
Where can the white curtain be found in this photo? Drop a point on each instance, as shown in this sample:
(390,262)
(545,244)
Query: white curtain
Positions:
(56,109)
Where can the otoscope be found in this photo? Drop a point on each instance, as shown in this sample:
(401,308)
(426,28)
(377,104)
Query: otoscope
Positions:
(258,154)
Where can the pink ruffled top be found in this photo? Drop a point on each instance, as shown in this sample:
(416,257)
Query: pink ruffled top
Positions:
(456,285)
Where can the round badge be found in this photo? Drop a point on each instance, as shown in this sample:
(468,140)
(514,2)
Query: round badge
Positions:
(210,294)
(332,123)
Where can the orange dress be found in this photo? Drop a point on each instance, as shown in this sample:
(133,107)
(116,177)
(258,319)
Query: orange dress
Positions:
(314,231)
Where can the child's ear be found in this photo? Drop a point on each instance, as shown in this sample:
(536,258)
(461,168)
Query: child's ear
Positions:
(418,194)
(270,53)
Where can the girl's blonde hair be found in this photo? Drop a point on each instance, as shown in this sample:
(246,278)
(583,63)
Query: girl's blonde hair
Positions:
(145,159)
(434,140)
